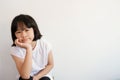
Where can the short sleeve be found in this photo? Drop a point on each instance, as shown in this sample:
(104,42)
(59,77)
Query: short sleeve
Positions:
(16,51)
(48,45)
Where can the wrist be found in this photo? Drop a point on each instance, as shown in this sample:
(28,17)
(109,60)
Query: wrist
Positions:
(29,48)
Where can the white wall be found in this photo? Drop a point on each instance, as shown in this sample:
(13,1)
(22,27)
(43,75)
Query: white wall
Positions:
(85,35)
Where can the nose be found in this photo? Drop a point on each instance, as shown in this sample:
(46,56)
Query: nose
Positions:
(23,35)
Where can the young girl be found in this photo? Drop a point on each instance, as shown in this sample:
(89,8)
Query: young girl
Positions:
(30,51)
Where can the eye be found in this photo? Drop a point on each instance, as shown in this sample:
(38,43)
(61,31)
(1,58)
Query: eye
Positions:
(18,31)
(27,30)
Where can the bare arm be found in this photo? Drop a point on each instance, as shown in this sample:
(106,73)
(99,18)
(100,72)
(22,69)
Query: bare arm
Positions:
(24,66)
(47,69)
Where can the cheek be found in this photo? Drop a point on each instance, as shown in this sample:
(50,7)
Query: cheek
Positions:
(31,35)
(17,36)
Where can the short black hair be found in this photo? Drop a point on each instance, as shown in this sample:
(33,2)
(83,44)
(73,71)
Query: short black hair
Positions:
(29,22)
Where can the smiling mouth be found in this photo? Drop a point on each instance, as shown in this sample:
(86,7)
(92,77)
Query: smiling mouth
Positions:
(24,40)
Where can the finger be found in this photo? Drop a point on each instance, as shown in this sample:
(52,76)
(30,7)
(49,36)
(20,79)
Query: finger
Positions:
(20,40)
(21,44)
(17,42)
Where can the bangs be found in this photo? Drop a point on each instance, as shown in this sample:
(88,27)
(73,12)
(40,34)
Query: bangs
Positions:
(21,22)
(22,26)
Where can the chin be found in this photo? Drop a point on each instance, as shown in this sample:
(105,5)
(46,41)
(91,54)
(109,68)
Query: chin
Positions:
(28,41)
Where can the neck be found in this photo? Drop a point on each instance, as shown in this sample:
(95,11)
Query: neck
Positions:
(34,44)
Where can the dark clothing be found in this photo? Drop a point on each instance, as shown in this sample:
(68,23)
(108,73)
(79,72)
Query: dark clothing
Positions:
(31,78)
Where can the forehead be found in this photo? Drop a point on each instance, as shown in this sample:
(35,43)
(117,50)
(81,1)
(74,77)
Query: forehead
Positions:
(21,26)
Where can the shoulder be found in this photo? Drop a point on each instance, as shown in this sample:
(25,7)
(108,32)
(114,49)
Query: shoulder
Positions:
(44,41)
(45,44)
(17,48)
(17,51)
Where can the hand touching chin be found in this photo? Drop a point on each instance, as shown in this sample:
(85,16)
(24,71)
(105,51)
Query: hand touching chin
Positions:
(23,43)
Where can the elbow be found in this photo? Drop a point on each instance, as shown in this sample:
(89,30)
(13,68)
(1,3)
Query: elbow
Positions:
(51,66)
(25,76)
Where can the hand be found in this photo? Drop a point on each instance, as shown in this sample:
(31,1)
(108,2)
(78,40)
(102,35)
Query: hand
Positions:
(26,45)
(35,78)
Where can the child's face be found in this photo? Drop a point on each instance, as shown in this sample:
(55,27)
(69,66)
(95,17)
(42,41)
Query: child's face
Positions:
(24,34)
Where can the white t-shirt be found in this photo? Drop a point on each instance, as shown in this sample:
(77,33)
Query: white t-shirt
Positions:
(39,55)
